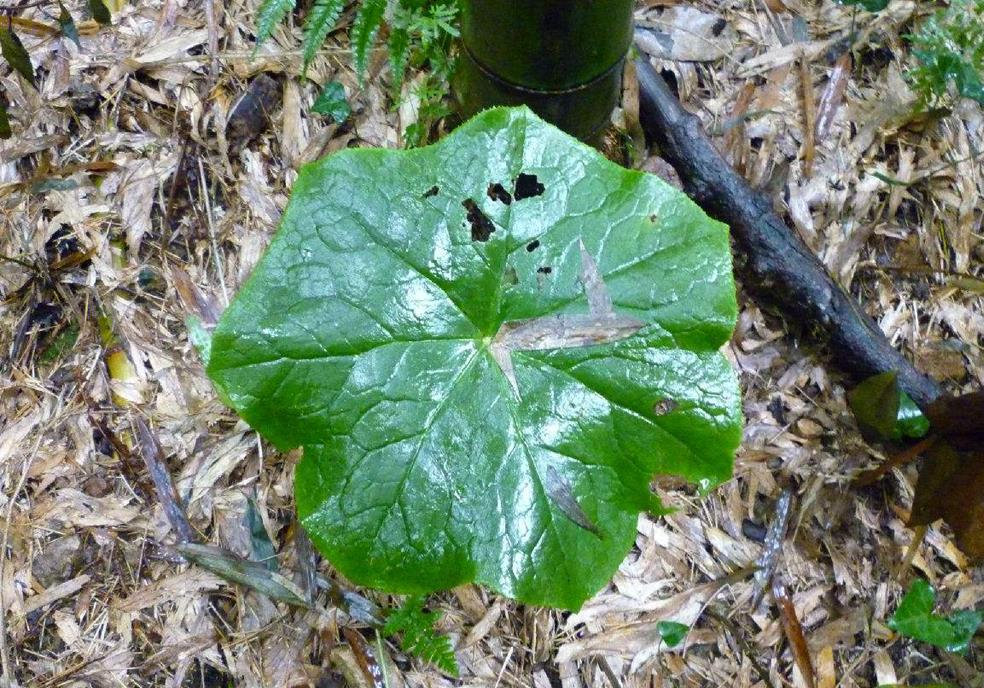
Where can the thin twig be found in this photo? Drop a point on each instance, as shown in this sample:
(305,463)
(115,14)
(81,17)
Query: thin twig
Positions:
(216,258)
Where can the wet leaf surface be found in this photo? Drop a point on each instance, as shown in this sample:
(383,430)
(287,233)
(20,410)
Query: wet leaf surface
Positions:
(885,412)
(374,333)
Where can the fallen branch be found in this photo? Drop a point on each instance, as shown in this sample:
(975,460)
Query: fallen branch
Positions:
(778,265)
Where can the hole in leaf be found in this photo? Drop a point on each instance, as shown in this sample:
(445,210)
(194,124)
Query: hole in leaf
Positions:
(664,406)
(527,186)
(497,192)
(533,245)
(544,270)
(481,225)
(509,276)
(433,191)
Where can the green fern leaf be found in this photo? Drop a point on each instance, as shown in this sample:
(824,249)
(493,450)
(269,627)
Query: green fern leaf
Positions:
(320,21)
(399,54)
(364,29)
(270,14)
(419,637)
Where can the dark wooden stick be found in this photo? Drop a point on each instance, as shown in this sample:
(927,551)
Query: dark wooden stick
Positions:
(776,263)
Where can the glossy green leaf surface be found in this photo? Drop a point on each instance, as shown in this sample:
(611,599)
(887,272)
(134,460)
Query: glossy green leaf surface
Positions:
(884,411)
(915,618)
(672,632)
(487,348)
(332,102)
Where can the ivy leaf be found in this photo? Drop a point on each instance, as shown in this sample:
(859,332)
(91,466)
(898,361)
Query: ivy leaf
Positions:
(364,28)
(15,54)
(477,340)
(319,23)
(672,632)
(332,102)
(270,14)
(67,25)
(915,618)
(100,12)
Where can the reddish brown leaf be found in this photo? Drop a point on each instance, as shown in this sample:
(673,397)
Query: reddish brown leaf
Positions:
(951,487)
(365,658)
(793,631)
(959,419)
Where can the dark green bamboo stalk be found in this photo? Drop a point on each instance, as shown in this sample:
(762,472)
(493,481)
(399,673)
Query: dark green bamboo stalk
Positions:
(563,58)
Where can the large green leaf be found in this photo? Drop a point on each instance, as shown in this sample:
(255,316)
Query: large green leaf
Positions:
(487,348)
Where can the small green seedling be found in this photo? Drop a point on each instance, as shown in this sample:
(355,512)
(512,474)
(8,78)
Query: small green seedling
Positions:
(487,348)
(915,619)
(672,632)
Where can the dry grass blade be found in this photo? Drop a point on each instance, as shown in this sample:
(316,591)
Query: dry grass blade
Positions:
(153,456)
(833,95)
(251,574)
(809,117)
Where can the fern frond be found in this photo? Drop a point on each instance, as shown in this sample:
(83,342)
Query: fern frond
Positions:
(270,14)
(364,28)
(319,22)
(419,637)
(399,54)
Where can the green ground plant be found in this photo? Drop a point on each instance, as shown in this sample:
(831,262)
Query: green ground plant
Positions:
(419,34)
(486,347)
(949,53)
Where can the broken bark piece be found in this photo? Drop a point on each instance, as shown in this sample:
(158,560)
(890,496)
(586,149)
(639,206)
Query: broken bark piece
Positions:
(777,264)
(251,114)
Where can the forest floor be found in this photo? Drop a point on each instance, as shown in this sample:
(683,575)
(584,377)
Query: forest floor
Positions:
(132,194)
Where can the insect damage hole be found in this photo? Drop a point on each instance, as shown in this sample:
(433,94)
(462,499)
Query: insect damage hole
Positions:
(481,225)
(527,186)
(497,192)
(533,245)
(664,406)
(433,191)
